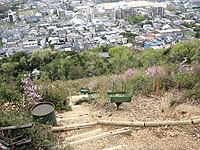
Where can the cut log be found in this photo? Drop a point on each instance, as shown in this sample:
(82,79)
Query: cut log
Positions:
(121,123)
(74,127)
(119,131)
(16,127)
(23,141)
(169,123)
(4,143)
(83,134)
(119,147)
(196,121)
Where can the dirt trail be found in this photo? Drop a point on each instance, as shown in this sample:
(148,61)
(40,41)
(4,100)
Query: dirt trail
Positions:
(79,113)
(140,109)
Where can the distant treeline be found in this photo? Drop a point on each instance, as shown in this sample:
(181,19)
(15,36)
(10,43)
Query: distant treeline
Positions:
(72,65)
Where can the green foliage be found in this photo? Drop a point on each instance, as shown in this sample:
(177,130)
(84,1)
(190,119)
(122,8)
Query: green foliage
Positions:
(185,80)
(55,12)
(54,93)
(72,65)
(196,29)
(197,35)
(188,25)
(193,93)
(130,36)
(150,57)
(186,49)
(121,58)
(9,94)
(40,134)
(141,84)
(135,20)
(173,102)
(189,33)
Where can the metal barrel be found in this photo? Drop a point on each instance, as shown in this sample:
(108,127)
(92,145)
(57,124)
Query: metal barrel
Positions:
(44,112)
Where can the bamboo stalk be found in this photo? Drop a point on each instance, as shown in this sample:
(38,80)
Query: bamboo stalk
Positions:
(121,123)
(170,123)
(148,124)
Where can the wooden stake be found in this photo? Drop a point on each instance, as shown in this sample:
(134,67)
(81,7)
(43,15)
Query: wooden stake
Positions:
(73,127)
(154,85)
(119,131)
(157,87)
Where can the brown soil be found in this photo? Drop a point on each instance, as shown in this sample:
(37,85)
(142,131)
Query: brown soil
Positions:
(153,108)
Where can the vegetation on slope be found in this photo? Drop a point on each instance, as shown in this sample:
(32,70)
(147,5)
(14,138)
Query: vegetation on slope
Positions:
(63,73)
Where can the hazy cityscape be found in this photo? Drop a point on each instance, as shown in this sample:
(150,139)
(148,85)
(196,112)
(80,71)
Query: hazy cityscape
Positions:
(82,24)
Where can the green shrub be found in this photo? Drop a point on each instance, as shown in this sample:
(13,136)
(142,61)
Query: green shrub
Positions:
(141,84)
(57,95)
(193,93)
(185,80)
(173,102)
(40,134)
(8,94)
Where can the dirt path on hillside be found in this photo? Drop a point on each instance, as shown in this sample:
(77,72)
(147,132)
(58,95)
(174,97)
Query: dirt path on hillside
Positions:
(154,108)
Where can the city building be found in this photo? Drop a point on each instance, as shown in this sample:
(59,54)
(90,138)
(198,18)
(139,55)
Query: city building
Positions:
(11,16)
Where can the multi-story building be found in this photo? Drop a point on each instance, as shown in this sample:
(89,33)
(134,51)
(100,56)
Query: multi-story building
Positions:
(158,11)
(61,14)
(113,14)
(11,16)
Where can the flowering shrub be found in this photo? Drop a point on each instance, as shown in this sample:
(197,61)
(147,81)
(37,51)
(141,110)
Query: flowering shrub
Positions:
(129,72)
(156,72)
(91,86)
(185,67)
(30,96)
(58,94)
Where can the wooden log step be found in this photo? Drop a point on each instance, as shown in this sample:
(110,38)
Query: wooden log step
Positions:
(73,118)
(73,127)
(119,147)
(119,131)
(169,123)
(196,121)
(121,123)
(83,134)
(3,147)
